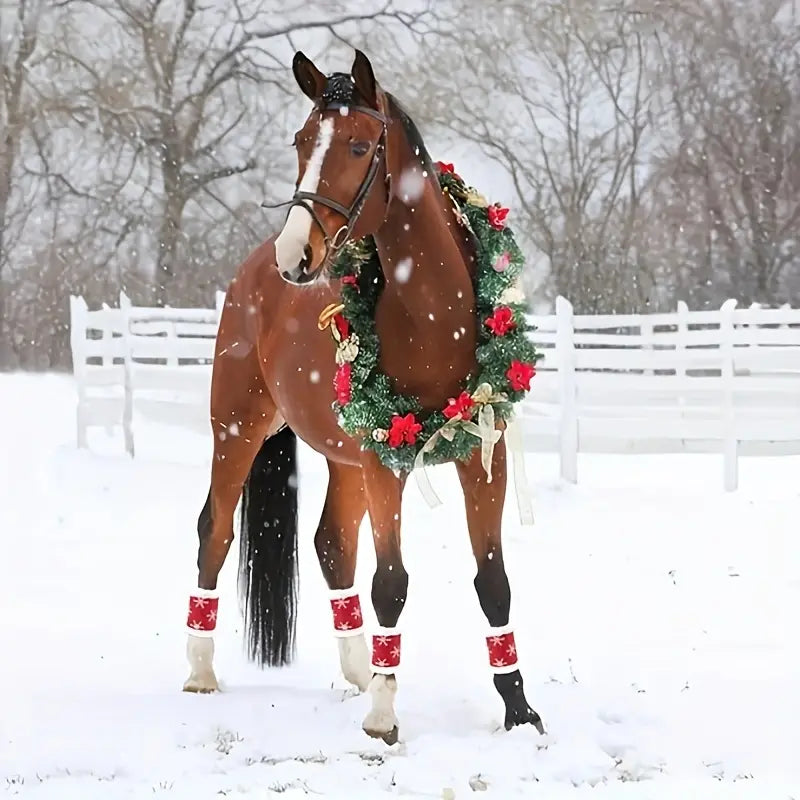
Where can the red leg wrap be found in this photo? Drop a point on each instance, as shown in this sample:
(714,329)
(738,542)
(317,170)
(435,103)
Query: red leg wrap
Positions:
(346,607)
(386,651)
(502,650)
(203,606)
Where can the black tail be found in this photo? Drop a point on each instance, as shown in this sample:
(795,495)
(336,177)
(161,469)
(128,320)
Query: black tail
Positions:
(268,551)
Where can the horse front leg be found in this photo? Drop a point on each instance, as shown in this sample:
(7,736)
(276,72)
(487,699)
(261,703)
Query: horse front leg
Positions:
(384,491)
(336,543)
(484,506)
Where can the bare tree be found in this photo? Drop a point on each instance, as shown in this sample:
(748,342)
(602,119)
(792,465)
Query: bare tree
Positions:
(732,192)
(558,95)
(19,34)
(200,97)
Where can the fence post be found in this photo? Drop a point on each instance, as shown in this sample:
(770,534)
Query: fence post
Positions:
(127,365)
(647,334)
(565,357)
(172,346)
(730,445)
(78,318)
(681,339)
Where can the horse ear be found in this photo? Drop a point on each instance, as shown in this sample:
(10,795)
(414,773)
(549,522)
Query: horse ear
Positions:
(364,78)
(310,80)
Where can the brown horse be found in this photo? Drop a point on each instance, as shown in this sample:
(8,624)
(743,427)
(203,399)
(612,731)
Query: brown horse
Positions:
(363,171)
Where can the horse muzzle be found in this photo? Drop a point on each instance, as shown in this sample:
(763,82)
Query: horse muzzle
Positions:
(302,274)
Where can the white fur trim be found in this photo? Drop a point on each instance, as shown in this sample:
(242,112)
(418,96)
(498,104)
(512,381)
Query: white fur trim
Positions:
(342,594)
(506,669)
(501,631)
(211,594)
(200,634)
(384,670)
(350,632)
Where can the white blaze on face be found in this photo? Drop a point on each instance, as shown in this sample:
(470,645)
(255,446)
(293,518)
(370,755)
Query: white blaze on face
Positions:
(292,240)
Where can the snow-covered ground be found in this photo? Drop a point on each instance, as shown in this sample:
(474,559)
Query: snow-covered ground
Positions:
(656,616)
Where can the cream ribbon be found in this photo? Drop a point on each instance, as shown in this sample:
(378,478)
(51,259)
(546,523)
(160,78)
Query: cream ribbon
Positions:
(484,430)
(521,486)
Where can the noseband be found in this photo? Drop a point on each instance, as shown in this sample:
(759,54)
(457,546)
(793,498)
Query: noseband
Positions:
(352,212)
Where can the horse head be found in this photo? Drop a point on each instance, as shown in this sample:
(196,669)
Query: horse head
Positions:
(343,187)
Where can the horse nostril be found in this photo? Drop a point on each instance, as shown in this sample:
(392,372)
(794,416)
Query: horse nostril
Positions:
(308,254)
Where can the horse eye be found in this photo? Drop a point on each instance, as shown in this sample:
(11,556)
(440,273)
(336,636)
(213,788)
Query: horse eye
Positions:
(359,148)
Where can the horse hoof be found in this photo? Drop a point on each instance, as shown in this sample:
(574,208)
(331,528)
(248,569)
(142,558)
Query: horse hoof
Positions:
(389,737)
(201,684)
(526,717)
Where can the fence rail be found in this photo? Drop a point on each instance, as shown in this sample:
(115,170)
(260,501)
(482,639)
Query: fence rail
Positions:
(156,360)
(721,381)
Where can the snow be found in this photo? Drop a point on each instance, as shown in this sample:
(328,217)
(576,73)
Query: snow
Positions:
(402,272)
(655,619)
(411,185)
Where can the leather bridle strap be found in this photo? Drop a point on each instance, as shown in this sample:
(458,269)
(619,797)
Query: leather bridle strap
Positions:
(350,213)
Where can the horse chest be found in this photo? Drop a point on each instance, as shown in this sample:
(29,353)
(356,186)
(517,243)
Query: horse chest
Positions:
(425,357)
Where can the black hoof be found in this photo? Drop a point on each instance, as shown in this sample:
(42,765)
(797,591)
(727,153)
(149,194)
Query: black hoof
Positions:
(518,712)
(391,737)
(526,716)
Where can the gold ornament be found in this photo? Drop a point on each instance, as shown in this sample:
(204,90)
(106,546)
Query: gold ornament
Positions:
(475,198)
(380,434)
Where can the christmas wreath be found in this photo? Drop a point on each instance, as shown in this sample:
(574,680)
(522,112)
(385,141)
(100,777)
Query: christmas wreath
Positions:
(395,425)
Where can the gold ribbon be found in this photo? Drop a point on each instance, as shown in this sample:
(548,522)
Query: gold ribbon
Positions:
(327,314)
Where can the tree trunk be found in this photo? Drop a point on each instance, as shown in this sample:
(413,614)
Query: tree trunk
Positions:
(6,165)
(169,233)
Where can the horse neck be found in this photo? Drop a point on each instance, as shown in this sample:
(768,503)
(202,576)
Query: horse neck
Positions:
(427,273)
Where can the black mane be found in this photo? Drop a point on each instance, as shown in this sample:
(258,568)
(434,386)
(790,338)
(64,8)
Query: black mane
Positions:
(412,133)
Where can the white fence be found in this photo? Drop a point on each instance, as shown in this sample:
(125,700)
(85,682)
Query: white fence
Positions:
(725,381)
(156,360)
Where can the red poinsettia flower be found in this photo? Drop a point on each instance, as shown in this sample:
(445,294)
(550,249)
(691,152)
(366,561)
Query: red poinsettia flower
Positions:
(497,216)
(501,321)
(343,384)
(342,325)
(461,405)
(519,375)
(403,429)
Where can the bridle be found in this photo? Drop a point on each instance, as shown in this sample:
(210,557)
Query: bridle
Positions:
(352,212)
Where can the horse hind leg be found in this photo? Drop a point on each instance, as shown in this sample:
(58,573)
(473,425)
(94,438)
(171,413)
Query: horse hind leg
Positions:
(336,543)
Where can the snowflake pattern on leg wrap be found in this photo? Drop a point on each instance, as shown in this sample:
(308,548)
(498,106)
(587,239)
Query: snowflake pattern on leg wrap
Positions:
(203,607)
(502,649)
(386,651)
(346,607)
